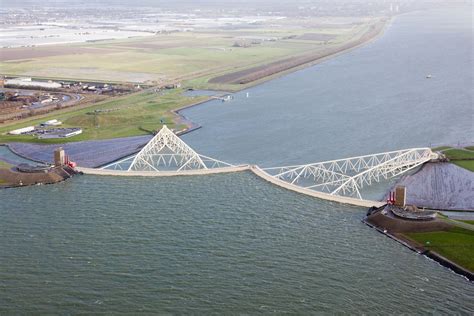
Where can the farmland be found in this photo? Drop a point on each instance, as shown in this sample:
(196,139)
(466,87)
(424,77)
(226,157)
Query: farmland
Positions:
(182,56)
(225,59)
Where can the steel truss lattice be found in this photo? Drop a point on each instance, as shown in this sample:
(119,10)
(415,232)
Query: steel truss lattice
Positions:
(166,152)
(345,177)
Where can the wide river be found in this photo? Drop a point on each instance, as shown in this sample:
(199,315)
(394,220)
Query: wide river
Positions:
(234,243)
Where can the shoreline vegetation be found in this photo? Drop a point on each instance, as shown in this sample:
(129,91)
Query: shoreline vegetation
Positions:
(462,157)
(448,242)
(143,112)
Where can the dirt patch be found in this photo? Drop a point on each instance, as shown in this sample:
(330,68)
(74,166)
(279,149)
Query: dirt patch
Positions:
(316,37)
(255,73)
(159,45)
(397,225)
(89,73)
(12,178)
(18,61)
(9,54)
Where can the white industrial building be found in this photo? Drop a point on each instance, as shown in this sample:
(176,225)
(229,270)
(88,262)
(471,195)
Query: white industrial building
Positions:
(22,130)
(28,83)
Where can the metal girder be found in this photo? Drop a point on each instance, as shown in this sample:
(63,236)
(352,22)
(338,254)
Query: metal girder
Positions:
(166,151)
(341,177)
(345,177)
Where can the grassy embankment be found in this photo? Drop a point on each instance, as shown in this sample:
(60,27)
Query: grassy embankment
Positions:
(4,165)
(457,244)
(136,114)
(462,157)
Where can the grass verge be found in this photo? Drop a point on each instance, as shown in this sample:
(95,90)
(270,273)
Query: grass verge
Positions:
(458,154)
(460,157)
(5,165)
(131,115)
(466,164)
(457,244)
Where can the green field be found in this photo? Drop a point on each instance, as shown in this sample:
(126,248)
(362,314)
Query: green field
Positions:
(136,114)
(456,244)
(458,154)
(466,164)
(191,58)
(461,157)
(178,56)
(4,165)
(440,148)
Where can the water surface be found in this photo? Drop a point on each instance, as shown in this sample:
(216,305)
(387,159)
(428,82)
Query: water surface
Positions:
(211,244)
(373,99)
(234,243)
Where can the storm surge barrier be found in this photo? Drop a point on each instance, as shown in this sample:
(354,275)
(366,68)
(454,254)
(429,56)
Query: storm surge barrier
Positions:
(338,180)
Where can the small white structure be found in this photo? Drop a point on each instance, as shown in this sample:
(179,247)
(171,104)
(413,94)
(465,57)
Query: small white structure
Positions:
(22,130)
(54,122)
(28,83)
(47,101)
(72,133)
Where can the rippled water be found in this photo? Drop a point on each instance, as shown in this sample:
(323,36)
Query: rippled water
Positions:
(224,243)
(373,99)
(234,243)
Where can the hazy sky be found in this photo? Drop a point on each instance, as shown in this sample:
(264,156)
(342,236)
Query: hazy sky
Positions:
(214,3)
(326,6)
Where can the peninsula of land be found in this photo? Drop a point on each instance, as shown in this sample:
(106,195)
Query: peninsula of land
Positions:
(436,215)
(155,71)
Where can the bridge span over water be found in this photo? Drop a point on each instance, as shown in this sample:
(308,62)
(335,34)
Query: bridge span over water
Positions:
(338,180)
